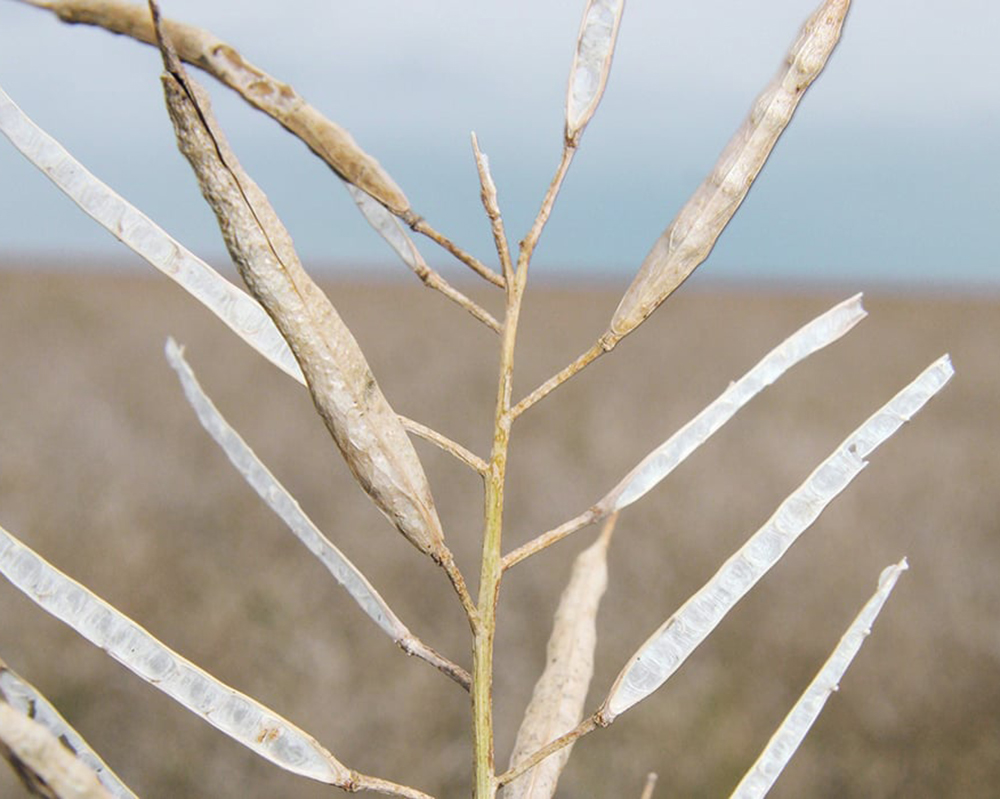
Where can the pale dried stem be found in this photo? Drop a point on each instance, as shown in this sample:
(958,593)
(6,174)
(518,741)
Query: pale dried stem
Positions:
(488,194)
(421,226)
(461,589)
(559,378)
(441,441)
(530,241)
(417,648)
(647,791)
(433,280)
(328,140)
(586,726)
(552,536)
(363,782)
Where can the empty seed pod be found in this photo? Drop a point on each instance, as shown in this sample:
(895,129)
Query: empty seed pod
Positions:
(588,76)
(666,649)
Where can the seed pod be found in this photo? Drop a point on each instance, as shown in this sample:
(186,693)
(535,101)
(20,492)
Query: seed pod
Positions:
(800,719)
(666,649)
(557,702)
(595,46)
(689,239)
(27,700)
(241,717)
(46,767)
(275,98)
(364,426)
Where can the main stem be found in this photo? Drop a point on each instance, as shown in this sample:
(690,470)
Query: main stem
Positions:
(486,783)
(492,566)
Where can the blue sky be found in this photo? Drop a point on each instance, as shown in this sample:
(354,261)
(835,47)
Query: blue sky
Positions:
(888,172)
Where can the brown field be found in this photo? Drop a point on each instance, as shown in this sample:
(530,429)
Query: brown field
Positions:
(105,471)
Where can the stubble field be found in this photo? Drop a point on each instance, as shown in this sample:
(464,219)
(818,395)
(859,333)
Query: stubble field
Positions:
(104,470)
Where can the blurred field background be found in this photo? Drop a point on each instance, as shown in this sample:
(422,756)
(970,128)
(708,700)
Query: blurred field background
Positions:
(104,470)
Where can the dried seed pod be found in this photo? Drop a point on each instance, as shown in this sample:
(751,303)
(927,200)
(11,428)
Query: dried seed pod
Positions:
(278,100)
(241,717)
(46,767)
(23,697)
(366,429)
(689,239)
(786,739)
(284,504)
(240,312)
(666,649)
(557,702)
(595,46)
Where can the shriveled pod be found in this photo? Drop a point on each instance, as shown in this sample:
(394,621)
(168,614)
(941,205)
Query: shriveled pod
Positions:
(557,702)
(22,697)
(275,98)
(686,243)
(46,767)
(347,397)
(595,46)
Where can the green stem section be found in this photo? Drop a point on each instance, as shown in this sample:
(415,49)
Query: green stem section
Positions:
(492,564)
(486,783)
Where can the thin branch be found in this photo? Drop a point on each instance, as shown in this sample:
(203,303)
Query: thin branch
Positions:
(551,537)
(488,194)
(458,583)
(328,140)
(421,226)
(394,234)
(647,791)
(442,441)
(363,782)
(558,379)
(586,726)
(530,241)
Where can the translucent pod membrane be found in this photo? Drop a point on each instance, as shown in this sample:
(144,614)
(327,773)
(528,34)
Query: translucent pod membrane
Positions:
(290,512)
(388,227)
(28,700)
(242,718)
(821,331)
(665,651)
(786,740)
(240,312)
(591,63)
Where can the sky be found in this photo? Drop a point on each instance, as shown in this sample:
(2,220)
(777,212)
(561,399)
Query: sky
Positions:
(888,173)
